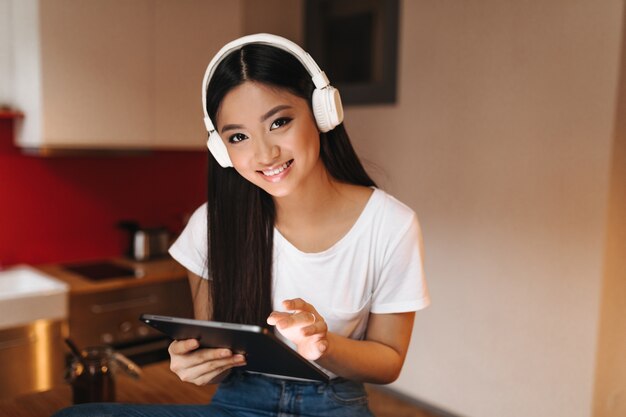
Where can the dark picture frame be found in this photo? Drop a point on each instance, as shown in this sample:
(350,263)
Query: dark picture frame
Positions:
(356,43)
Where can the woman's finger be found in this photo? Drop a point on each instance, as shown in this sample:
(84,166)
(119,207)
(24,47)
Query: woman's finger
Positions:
(211,377)
(180,347)
(305,317)
(297,304)
(301,318)
(197,357)
(322,345)
(319,326)
(207,371)
(276,316)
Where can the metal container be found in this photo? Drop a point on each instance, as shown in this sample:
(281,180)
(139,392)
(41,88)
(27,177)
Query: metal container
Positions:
(145,243)
(150,243)
(32,357)
(92,374)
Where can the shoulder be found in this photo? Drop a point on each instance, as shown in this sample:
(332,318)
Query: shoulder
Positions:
(190,248)
(199,216)
(392,221)
(197,224)
(391,211)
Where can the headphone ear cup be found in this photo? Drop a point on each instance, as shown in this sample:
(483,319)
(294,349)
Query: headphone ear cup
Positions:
(327,108)
(218,150)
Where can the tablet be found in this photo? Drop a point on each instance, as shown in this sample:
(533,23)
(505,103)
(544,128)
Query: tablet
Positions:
(264,352)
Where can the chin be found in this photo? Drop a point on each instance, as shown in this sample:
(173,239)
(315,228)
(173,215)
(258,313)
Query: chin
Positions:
(277,192)
(281,189)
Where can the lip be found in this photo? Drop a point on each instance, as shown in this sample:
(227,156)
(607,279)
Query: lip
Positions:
(277,177)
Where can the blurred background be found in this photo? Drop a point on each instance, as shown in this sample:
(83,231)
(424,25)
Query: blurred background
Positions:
(504,131)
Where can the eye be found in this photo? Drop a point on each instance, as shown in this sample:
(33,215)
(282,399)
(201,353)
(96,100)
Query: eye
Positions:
(237,137)
(280,122)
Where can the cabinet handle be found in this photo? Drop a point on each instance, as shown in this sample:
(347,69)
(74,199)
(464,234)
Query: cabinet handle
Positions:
(122,305)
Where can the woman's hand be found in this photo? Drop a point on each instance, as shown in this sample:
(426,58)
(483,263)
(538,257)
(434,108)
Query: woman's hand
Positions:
(302,326)
(201,366)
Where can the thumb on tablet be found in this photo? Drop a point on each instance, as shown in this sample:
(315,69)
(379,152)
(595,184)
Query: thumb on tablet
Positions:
(180,347)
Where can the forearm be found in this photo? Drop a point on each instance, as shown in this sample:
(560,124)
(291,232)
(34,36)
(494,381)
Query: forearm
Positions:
(377,359)
(361,360)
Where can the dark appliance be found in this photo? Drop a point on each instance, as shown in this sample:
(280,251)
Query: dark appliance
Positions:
(111,317)
(97,271)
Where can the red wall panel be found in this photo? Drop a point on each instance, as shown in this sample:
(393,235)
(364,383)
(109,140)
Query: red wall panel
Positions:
(57,209)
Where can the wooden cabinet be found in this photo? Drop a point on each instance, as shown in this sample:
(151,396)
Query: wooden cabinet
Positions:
(115,74)
(112,316)
(187,35)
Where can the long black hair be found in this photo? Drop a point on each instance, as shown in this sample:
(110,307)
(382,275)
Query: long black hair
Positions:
(240,215)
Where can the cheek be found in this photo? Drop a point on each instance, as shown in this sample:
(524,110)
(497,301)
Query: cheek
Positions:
(315,147)
(239,163)
(244,166)
(241,168)
(309,141)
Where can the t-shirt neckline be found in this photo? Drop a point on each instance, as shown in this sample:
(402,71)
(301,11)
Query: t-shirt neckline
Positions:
(360,222)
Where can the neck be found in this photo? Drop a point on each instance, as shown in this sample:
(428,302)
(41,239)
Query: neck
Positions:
(313,200)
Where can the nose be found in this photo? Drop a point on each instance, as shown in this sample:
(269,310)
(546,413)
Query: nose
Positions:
(266,151)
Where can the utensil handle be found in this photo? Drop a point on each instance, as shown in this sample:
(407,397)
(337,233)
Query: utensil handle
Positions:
(130,367)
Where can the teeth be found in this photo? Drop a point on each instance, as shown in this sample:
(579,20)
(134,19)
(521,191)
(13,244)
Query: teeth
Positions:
(272,172)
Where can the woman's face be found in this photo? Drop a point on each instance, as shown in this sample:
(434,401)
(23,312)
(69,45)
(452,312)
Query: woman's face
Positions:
(271,137)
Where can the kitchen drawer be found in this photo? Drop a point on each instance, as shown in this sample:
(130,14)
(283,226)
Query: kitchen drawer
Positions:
(112,317)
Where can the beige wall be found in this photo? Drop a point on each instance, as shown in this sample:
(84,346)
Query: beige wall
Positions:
(501,140)
(280,17)
(6,59)
(610,390)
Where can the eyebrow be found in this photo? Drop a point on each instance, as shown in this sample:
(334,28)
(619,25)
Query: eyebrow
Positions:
(231,127)
(274,111)
(263,118)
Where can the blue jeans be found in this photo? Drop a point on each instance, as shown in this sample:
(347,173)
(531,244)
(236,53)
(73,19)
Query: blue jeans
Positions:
(250,395)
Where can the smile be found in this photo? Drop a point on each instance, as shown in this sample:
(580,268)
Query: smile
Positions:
(277,171)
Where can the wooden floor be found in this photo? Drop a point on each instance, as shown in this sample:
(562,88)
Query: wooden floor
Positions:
(384,404)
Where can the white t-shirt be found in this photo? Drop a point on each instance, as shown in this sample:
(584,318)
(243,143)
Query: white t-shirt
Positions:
(375,268)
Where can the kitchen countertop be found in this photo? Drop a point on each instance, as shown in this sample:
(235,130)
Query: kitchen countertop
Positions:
(148,272)
(158,385)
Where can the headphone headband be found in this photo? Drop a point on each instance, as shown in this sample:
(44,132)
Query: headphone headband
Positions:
(328,115)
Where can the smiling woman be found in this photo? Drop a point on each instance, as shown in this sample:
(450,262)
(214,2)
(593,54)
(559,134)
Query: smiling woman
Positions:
(263,145)
(295,235)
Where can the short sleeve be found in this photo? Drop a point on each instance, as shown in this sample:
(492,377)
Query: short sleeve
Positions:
(401,286)
(190,248)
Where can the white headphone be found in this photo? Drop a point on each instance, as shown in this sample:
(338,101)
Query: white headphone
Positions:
(326,102)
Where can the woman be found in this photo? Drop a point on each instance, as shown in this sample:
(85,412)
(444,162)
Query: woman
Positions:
(294,235)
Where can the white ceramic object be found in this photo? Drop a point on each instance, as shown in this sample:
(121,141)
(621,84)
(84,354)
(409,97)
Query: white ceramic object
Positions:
(27,294)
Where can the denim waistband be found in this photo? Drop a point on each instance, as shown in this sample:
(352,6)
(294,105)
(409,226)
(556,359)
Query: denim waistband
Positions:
(255,394)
